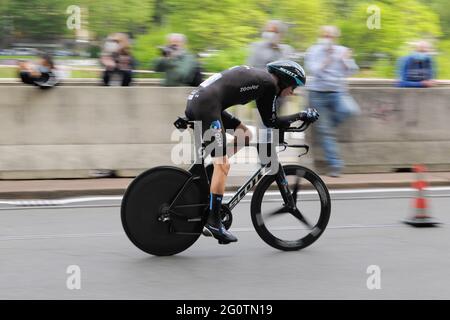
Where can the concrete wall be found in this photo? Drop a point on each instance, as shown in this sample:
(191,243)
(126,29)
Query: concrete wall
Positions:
(398,128)
(65,132)
(68,131)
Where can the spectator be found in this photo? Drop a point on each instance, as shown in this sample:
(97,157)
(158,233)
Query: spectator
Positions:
(180,67)
(41,74)
(269,48)
(117,59)
(417,69)
(329,64)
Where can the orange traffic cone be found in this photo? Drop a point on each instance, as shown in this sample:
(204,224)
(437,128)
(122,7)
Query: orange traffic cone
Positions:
(420,204)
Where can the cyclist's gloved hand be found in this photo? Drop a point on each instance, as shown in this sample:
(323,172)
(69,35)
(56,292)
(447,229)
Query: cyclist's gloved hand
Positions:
(309,115)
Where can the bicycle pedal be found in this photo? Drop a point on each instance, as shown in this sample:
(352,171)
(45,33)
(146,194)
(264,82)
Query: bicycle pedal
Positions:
(207,233)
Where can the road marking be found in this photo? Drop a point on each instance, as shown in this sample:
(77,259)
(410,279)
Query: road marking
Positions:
(57,236)
(328,227)
(238,230)
(30,207)
(56,202)
(308,195)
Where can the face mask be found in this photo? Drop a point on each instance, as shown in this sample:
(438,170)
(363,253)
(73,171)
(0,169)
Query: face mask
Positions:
(111,46)
(271,37)
(326,41)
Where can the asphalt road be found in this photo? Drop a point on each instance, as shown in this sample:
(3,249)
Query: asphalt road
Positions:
(37,245)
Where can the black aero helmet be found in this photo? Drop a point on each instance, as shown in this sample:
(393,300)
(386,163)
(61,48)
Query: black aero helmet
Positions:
(289,73)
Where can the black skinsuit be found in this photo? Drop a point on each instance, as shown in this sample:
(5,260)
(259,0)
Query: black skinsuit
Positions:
(238,85)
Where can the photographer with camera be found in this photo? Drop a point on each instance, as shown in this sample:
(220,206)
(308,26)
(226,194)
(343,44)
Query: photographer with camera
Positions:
(180,67)
(117,59)
(41,73)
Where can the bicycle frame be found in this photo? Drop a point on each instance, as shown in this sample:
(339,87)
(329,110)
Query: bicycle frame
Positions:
(242,191)
(198,172)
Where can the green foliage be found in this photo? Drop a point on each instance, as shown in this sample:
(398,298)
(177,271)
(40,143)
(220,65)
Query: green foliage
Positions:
(442,8)
(384,68)
(8,73)
(224,60)
(208,24)
(46,19)
(305,18)
(443,60)
(94,51)
(215,24)
(231,25)
(38,19)
(401,21)
(145,48)
(108,16)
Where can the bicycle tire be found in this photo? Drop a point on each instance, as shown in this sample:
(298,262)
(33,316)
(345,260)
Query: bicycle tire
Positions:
(141,208)
(316,231)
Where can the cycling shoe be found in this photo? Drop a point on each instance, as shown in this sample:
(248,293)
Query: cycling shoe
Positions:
(220,233)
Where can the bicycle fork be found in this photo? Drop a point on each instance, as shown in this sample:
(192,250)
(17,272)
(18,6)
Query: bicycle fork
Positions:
(289,197)
(284,189)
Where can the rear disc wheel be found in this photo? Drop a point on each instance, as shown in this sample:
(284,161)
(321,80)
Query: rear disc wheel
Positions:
(146,202)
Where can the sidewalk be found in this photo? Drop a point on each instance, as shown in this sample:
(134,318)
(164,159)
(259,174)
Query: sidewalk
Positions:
(53,189)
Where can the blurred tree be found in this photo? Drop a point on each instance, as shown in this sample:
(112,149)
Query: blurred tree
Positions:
(401,22)
(108,16)
(145,48)
(34,19)
(159,12)
(225,59)
(215,24)
(230,25)
(443,60)
(340,8)
(304,17)
(442,8)
(46,19)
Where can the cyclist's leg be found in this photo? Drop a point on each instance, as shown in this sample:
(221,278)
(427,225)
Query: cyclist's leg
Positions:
(209,113)
(215,138)
(219,178)
(216,134)
(242,134)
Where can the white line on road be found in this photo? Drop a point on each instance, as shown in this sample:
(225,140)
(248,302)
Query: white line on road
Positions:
(243,229)
(115,201)
(329,227)
(55,236)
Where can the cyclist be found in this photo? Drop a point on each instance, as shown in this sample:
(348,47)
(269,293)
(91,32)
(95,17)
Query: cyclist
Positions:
(240,85)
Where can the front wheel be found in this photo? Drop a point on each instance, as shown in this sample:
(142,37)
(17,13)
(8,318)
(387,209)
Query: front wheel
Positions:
(280,226)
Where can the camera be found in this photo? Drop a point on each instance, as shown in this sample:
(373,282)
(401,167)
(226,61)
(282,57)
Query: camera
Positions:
(167,51)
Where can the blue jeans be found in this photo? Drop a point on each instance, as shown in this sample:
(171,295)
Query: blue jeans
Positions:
(333,112)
